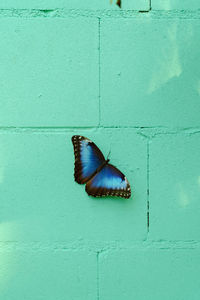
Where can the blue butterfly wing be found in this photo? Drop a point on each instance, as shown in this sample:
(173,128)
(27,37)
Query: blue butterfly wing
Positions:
(109,182)
(88,158)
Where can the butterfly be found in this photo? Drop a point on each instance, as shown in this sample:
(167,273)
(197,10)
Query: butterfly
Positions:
(118,3)
(90,167)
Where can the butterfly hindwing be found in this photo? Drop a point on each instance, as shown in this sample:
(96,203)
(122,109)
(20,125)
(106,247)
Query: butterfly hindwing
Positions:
(88,158)
(109,182)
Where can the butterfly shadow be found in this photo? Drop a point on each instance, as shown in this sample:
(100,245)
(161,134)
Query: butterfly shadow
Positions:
(112,199)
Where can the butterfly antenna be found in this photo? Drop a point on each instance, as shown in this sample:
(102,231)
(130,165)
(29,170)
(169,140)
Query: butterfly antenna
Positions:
(108,154)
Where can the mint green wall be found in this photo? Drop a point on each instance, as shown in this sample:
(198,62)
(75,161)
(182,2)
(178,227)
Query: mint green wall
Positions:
(75,4)
(130,81)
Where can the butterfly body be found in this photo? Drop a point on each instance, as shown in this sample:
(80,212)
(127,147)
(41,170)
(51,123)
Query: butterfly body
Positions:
(101,178)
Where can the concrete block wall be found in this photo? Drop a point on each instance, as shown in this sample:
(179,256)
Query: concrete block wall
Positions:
(129,79)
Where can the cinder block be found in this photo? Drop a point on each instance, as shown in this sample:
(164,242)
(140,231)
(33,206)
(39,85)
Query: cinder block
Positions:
(175,4)
(48,275)
(41,202)
(49,72)
(76,4)
(150,72)
(175,187)
(136,5)
(150,274)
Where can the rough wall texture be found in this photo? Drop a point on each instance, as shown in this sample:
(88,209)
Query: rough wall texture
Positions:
(130,80)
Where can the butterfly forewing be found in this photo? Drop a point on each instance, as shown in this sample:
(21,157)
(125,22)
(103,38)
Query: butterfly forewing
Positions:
(88,158)
(109,182)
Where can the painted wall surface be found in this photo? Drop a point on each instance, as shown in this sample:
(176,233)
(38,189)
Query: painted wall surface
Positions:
(129,79)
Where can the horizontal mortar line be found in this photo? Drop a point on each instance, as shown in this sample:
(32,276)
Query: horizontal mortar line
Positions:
(144,130)
(100,13)
(162,129)
(102,126)
(98,247)
(62,13)
(47,128)
(71,127)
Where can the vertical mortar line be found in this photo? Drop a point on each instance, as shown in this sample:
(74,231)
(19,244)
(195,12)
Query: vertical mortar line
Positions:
(150,5)
(147,186)
(99,63)
(98,275)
